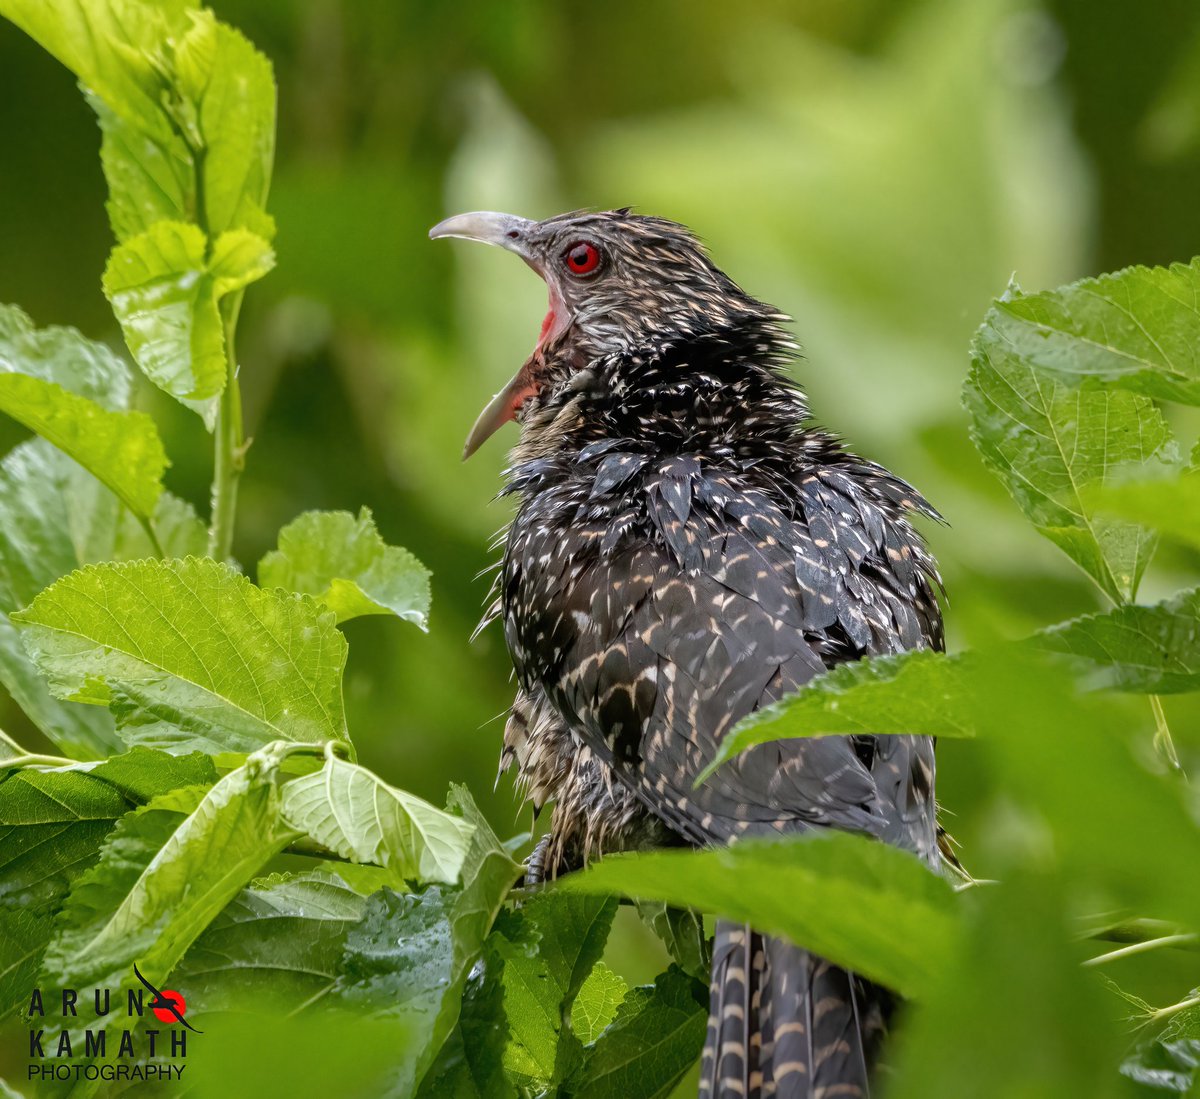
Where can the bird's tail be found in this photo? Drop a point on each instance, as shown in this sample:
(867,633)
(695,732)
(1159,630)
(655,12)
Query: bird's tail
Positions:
(787,1024)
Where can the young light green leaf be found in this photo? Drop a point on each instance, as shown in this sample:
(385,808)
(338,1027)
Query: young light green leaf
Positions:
(353,812)
(654,1039)
(1051,443)
(549,947)
(1137,328)
(186,108)
(1153,649)
(114,47)
(596,1005)
(863,904)
(121,449)
(164,874)
(343,561)
(233,87)
(263,666)
(165,291)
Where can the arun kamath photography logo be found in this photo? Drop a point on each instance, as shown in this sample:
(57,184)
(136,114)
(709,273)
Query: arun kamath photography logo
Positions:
(111,1046)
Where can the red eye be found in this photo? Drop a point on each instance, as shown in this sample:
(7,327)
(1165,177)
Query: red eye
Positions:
(582,258)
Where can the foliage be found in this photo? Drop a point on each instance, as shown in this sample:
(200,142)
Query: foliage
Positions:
(209,819)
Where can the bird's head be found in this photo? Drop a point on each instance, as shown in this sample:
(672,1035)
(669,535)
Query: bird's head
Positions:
(618,283)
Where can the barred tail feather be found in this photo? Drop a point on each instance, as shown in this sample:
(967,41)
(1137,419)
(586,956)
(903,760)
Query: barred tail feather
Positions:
(786,1024)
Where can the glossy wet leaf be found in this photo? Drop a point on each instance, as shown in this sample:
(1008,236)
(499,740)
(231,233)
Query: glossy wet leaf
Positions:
(278,942)
(166,289)
(1155,649)
(470,1064)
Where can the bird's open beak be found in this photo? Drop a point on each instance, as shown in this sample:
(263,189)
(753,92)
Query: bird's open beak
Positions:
(512,233)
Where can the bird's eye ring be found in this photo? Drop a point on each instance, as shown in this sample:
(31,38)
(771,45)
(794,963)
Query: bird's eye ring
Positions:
(582,258)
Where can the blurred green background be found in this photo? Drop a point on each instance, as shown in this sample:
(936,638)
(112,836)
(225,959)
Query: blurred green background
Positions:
(877,169)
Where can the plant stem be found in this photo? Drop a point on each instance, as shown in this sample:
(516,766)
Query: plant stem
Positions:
(34,759)
(1174,1009)
(1142,948)
(229,450)
(148,527)
(1162,735)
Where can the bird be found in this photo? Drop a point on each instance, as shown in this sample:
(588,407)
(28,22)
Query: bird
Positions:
(689,546)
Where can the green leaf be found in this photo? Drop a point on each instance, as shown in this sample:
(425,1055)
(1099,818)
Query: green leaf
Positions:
(278,943)
(52,824)
(55,517)
(186,108)
(1065,763)
(165,291)
(682,933)
(1038,1000)
(233,87)
(549,947)
(164,874)
(355,813)
(51,828)
(1153,649)
(655,1038)
(253,1052)
(1169,1066)
(122,449)
(470,1064)
(1051,444)
(64,357)
(914,692)
(596,1005)
(1137,328)
(409,958)
(190,655)
(1171,507)
(113,46)
(345,563)
(865,905)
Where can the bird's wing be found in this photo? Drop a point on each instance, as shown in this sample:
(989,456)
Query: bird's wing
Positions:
(653,648)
